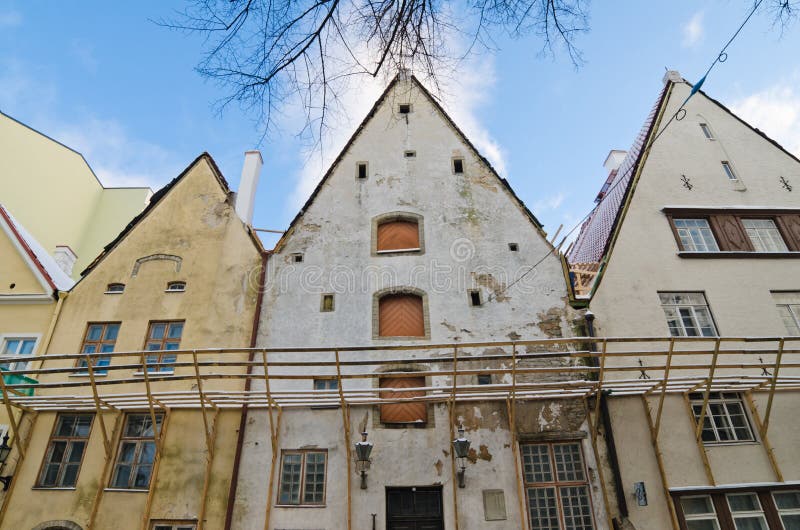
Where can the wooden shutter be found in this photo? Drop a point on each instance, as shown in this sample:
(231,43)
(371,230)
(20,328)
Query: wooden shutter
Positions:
(401,315)
(398,235)
(730,233)
(408,412)
(789,226)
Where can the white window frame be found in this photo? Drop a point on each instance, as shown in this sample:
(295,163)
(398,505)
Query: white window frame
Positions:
(723,401)
(788,305)
(729,171)
(692,309)
(707,516)
(174,525)
(747,514)
(784,511)
(4,338)
(707,132)
(765,238)
(691,235)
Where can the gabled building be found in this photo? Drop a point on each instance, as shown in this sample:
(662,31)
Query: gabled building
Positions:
(695,240)
(413,261)
(139,440)
(53,192)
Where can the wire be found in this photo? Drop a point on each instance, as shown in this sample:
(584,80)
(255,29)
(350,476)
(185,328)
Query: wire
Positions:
(721,57)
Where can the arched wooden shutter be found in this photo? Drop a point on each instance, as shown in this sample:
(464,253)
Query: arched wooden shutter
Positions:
(401,234)
(401,315)
(408,412)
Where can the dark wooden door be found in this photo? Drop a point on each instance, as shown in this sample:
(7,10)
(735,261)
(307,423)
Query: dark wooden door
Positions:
(417,508)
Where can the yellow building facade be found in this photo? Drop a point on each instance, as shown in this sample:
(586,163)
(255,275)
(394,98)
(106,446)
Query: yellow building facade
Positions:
(53,192)
(183,276)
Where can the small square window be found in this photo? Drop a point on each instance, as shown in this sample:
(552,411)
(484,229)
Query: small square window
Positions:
(410,154)
(404,108)
(326,384)
(297,258)
(458,166)
(327,303)
(484,379)
(361,170)
(474,297)
(513,247)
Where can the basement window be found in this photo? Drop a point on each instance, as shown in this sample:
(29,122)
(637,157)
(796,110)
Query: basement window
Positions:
(361,170)
(458,166)
(297,258)
(513,247)
(326,305)
(410,154)
(404,108)
(484,379)
(176,287)
(474,297)
(115,288)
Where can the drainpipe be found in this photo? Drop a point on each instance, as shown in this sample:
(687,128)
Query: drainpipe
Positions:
(622,504)
(243,420)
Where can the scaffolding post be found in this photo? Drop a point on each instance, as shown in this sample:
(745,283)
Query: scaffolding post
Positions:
(600,474)
(701,448)
(201,519)
(106,442)
(764,439)
(664,384)
(202,398)
(765,426)
(451,407)
(660,461)
(599,391)
(11,419)
(346,425)
(699,428)
(511,403)
(98,496)
(272,467)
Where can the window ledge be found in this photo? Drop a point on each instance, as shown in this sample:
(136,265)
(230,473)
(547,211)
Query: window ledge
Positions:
(113,292)
(301,505)
(174,291)
(397,251)
(737,254)
(726,444)
(126,490)
(154,374)
(53,488)
(86,374)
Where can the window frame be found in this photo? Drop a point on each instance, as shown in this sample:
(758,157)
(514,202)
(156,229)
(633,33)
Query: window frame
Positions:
(69,440)
(779,510)
(707,132)
(139,441)
(174,524)
(742,514)
(110,288)
(22,337)
(760,238)
(555,483)
(161,353)
(792,308)
(378,220)
(729,171)
(711,319)
(332,308)
(718,496)
(170,285)
(677,232)
(359,165)
(707,516)
(301,495)
(376,313)
(83,369)
(723,401)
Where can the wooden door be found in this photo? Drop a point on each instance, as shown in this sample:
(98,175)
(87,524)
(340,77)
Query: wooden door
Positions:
(418,508)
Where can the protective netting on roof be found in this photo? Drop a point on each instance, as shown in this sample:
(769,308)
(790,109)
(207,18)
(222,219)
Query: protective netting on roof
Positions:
(594,234)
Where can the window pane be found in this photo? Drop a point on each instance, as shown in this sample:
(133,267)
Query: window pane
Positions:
(122,476)
(290,479)
(743,502)
(576,507)
(536,463)
(142,479)
(569,467)
(175,330)
(95,332)
(70,476)
(315,478)
(111,332)
(756,522)
(76,452)
(543,508)
(697,505)
(147,453)
(702,524)
(791,521)
(11,346)
(50,475)
(789,500)
(764,235)
(127,452)
(27,347)
(157,331)
(83,425)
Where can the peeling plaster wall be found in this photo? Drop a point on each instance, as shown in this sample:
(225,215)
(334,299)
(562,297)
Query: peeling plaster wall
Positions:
(469,220)
(645,261)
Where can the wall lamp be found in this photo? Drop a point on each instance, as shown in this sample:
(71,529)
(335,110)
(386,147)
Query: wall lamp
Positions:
(363,450)
(5,450)
(461,448)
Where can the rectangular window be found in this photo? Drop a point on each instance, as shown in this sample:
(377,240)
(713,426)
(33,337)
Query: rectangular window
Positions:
(404,108)
(788,305)
(326,304)
(556,486)
(484,379)
(706,131)
(474,297)
(687,315)
(161,337)
(174,525)
(458,166)
(788,504)
(100,338)
(410,154)
(361,170)
(695,235)
(17,346)
(64,455)
(326,384)
(137,451)
(725,419)
(726,166)
(746,511)
(764,235)
(302,479)
(699,513)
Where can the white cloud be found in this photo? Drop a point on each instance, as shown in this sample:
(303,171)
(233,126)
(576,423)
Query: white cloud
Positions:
(553,202)
(10,19)
(693,30)
(776,111)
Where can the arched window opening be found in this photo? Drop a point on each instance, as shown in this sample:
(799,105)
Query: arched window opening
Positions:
(401,315)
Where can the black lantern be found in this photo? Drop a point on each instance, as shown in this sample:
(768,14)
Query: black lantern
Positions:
(363,450)
(5,450)
(461,448)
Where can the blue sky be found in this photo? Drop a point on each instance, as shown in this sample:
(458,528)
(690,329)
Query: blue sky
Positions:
(104,79)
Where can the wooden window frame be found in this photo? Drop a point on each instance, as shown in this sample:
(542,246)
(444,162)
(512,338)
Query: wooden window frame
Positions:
(692,306)
(161,352)
(722,508)
(723,220)
(723,400)
(70,440)
(555,483)
(139,441)
(301,497)
(398,216)
(80,363)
